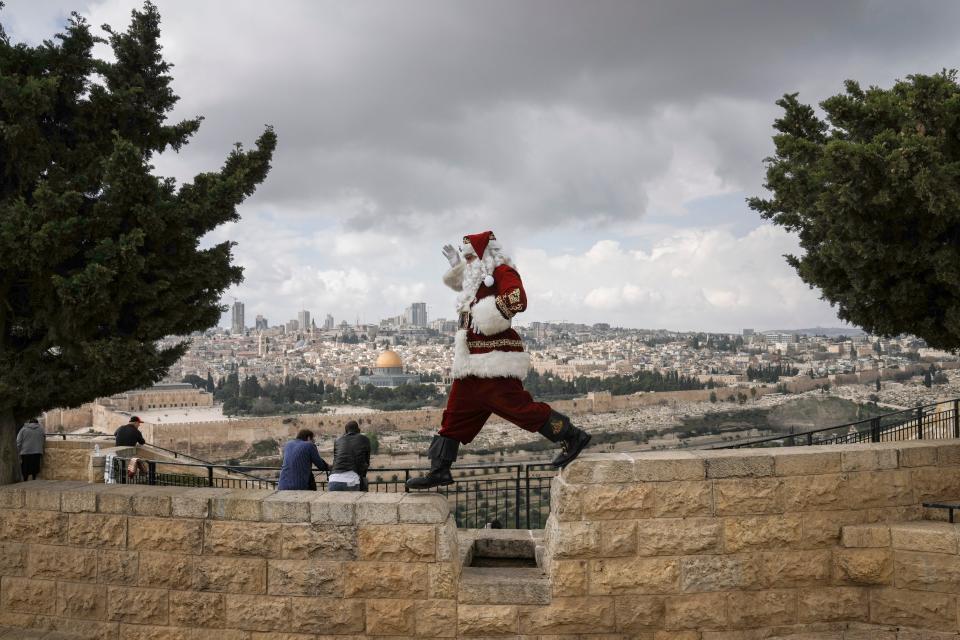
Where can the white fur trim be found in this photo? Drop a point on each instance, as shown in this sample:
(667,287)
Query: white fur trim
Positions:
(495,364)
(453,278)
(486,319)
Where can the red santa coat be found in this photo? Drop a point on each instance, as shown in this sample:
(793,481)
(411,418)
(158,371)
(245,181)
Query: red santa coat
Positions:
(485,345)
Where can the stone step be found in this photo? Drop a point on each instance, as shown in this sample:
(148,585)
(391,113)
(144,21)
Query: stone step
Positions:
(503,585)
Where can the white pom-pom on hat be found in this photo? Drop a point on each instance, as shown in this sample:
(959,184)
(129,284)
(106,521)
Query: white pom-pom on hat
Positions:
(488,280)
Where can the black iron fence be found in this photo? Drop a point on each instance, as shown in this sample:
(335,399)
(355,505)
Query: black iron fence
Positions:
(512,496)
(935,421)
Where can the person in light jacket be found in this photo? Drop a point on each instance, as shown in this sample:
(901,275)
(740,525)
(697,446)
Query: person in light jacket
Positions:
(30,441)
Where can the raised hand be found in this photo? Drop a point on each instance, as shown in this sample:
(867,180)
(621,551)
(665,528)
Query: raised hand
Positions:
(451,254)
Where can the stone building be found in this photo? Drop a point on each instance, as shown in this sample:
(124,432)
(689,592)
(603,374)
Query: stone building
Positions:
(159,396)
(388,372)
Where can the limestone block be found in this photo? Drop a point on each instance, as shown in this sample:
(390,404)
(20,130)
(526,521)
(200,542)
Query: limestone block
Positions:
(391,617)
(192,609)
(618,538)
(927,571)
(634,575)
(823,528)
(45,495)
(61,563)
(318,540)
(569,615)
(305,578)
(448,547)
(616,501)
(948,454)
(676,635)
(761,532)
(288,506)
(194,503)
(935,483)
(436,618)
(13,559)
(328,616)
(762,608)
(568,578)
(166,570)
(814,493)
(682,499)
(11,496)
(137,605)
(786,568)
(931,537)
(718,573)
(866,535)
(33,526)
(73,628)
(695,611)
(418,508)
(917,454)
(259,613)
(155,502)
(737,463)
(225,538)
(487,620)
(745,496)
(933,611)
(667,466)
(117,567)
(399,543)
(443,580)
(80,499)
(565,500)
(574,539)
(638,613)
(830,604)
(868,458)
(863,566)
(81,600)
(887,488)
(607,468)
(336,508)
(165,534)
(674,536)
(97,530)
(806,461)
(231,575)
(385,580)
(117,498)
(378,508)
(243,504)
(28,596)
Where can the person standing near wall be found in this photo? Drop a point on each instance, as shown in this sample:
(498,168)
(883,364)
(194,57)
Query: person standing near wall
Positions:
(30,441)
(129,434)
(299,456)
(351,459)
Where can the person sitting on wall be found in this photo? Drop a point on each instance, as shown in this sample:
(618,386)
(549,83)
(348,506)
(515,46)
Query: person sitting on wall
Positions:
(351,459)
(298,457)
(30,441)
(129,434)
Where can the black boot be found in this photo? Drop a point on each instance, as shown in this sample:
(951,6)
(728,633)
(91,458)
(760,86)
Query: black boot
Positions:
(442,453)
(572,440)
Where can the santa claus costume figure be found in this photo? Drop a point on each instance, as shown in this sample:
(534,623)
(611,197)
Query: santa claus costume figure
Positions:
(489,362)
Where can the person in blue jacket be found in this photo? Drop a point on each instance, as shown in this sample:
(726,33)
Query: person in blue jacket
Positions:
(299,456)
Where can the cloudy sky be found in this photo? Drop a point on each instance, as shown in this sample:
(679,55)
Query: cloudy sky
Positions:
(609,145)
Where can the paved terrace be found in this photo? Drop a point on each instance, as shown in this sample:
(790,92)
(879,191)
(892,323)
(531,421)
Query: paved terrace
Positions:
(812,542)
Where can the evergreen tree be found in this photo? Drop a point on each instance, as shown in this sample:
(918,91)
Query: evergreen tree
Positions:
(101,258)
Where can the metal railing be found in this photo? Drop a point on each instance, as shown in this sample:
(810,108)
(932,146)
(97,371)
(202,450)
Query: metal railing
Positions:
(517,496)
(934,421)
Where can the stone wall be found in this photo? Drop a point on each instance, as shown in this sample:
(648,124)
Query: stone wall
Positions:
(731,543)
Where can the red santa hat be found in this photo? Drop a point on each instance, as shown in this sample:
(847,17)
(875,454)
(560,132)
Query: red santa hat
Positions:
(477,243)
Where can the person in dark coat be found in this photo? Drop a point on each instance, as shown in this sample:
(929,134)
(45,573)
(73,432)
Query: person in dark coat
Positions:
(351,459)
(129,434)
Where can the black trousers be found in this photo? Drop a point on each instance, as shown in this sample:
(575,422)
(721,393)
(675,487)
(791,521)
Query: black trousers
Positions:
(30,464)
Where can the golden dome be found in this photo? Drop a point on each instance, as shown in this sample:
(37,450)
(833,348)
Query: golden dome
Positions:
(389,360)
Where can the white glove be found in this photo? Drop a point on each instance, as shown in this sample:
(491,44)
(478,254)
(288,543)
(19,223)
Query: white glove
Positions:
(451,254)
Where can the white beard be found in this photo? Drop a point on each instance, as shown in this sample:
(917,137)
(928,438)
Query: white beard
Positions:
(475,271)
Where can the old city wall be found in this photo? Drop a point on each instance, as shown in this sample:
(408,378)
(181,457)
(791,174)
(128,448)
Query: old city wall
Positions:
(712,545)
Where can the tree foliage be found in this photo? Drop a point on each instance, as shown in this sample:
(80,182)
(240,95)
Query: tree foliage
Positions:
(872,189)
(101,257)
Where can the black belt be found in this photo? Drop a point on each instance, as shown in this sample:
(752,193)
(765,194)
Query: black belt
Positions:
(464,322)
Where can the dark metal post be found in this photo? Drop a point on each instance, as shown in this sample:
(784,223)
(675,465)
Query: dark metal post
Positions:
(527,474)
(151,472)
(516,508)
(956,418)
(406,476)
(809,439)
(209,475)
(875,430)
(919,423)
